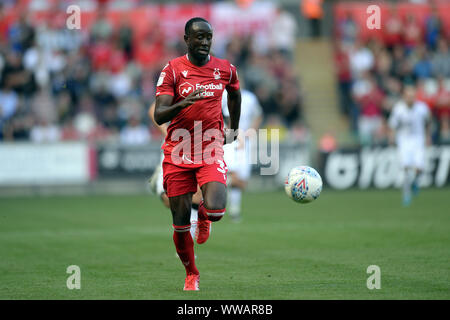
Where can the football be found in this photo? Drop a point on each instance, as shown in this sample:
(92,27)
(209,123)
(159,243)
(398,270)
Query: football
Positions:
(303,184)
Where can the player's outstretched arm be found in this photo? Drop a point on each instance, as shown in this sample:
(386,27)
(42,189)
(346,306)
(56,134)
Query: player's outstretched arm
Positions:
(151,114)
(165,111)
(234,108)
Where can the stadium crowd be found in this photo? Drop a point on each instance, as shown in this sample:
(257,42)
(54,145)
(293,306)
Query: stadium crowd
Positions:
(371,71)
(96,85)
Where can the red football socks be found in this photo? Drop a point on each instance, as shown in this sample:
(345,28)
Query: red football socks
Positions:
(185,247)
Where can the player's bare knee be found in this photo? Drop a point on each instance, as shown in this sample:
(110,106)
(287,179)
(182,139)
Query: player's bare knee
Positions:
(215,208)
(216,203)
(215,196)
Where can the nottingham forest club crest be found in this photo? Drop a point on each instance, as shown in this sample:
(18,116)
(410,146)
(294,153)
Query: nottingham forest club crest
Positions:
(216,73)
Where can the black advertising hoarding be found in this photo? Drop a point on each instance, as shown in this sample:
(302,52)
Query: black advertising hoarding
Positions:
(379,167)
(117,161)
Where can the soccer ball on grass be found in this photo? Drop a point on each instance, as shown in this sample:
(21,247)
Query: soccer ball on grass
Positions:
(303,184)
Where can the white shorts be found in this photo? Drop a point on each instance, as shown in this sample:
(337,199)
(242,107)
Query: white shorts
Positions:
(412,154)
(238,160)
(159,184)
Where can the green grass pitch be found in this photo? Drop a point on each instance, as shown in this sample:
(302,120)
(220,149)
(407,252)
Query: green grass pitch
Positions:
(281,250)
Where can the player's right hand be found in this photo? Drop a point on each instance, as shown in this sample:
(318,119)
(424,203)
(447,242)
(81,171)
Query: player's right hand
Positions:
(192,98)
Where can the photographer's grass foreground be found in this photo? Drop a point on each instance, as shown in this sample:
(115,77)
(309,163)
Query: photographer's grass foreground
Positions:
(281,250)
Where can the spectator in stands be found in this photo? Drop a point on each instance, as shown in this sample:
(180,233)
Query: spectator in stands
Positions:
(289,103)
(150,50)
(88,128)
(383,65)
(393,29)
(63,106)
(102,28)
(257,74)
(441,59)
(279,67)
(21,34)
(422,66)
(37,62)
(348,30)
(361,59)
(4,24)
(134,133)
(427,90)
(9,101)
(106,107)
(284,33)
(53,35)
(43,108)
(120,84)
(401,67)
(342,63)
(100,54)
(68,130)
(125,37)
(238,50)
(20,79)
(267,100)
(412,33)
(432,28)
(392,89)
(298,132)
(44,132)
(76,78)
(369,98)
(20,126)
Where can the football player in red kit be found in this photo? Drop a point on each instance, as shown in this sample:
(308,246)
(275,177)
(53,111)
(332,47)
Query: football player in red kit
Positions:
(188,94)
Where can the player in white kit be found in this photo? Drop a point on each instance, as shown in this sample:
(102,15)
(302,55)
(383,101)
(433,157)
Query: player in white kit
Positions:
(237,155)
(410,120)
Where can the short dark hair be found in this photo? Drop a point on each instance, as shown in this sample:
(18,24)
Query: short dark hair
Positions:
(190,22)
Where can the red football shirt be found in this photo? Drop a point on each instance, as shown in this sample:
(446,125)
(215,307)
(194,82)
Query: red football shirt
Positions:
(179,78)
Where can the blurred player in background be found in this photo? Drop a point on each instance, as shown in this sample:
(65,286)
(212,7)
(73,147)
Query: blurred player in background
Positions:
(238,154)
(188,94)
(156,180)
(410,121)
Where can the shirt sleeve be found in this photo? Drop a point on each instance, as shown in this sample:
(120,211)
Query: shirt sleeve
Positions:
(233,83)
(166,81)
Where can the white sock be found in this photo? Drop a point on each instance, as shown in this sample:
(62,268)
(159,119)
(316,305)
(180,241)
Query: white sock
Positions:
(235,202)
(407,183)
(194,217)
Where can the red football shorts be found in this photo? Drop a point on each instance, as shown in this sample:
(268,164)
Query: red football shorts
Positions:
(183,178)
